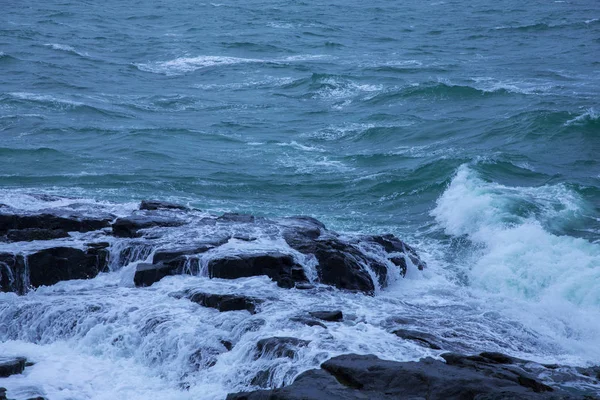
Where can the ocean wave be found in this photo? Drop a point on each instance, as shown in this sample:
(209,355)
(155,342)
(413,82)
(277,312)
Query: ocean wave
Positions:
(590,116)
(65,48)
(491,85)
(269,81)
(187,64)
(542,26)
(184,65)
(61,103)
(306,164)
(518,255)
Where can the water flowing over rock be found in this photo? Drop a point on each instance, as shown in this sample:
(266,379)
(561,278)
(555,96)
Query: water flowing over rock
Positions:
(294,252)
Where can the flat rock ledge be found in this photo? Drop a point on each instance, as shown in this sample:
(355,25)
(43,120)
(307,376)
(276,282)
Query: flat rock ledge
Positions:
(461,377)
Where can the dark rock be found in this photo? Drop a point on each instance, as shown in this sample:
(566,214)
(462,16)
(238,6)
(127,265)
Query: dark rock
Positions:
(304,286)
(392,244)
(147,274)
(50,222)
(30,234)
(49,266)
(355,377)
(421,338)
(160,205)
(279,347)
(341,265)
(12,273)
(308,321)
(176,255)
(2,390)
(277,266)
(286,282)
(226,302)
(227,344)
(238,218)
(130,226)
(11,366)
(331,316)
(341,262)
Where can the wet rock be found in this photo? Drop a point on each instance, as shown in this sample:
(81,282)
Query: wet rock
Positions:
(392,244)
(277,266)
(12,272)
(368,377)
(3,390)
(11,366)
(146,274)
(130,227)
(279,347)
(340,264)
(177,255)
(331,316)
(304,286)
(308,321)
(52,265)
(227,344)
(50,222)
(226,302)
(421,338)
(31,234)
(153,205)
(237,218)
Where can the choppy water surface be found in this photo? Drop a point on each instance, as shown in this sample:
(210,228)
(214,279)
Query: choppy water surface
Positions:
(470,130)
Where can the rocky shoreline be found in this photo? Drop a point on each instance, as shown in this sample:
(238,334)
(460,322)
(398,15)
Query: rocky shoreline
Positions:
(46,247)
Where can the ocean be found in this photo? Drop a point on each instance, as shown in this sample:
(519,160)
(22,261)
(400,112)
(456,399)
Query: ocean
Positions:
(471,130)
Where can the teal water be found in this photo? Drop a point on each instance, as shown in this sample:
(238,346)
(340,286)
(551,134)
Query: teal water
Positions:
(472,129)
(359,113)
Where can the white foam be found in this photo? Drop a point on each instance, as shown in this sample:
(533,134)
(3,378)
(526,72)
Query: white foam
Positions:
(546,279)
(300,146)
(182,65)
(64,47)
(491,85)
(188,64)
(44,98)
(589,115)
